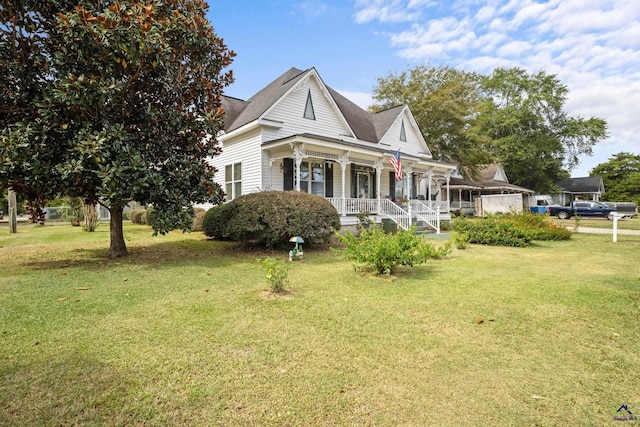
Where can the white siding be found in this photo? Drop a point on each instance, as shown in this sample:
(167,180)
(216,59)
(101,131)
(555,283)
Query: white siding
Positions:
(246,151)
(290,110)
(413,145)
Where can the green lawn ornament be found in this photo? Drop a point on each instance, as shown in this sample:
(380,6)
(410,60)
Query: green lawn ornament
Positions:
(297,251)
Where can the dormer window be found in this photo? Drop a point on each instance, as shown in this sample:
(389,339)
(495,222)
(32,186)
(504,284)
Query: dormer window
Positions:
(403,134)
(308,108)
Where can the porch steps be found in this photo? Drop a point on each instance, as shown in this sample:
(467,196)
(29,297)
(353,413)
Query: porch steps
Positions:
(422,228)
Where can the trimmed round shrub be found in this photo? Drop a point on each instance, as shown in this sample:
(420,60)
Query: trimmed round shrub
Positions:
(197,219)
(138,216)
(149,216)
(271,218)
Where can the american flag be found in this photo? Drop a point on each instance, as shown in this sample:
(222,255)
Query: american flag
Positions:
(397,167)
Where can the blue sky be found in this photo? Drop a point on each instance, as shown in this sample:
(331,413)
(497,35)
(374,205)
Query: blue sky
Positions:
(592,46)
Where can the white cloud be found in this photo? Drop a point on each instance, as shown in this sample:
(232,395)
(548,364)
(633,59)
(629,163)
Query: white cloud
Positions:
(361,99)
(387,11)
(593,47)
(485,14)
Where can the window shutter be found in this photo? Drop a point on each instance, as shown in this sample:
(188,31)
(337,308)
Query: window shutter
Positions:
(353,182)
(414,186)
(374,182)
(328,180)
(392,185)
(288,174)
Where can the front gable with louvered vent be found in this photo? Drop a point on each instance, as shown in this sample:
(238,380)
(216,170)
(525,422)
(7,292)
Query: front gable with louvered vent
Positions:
(405,135)
(308,108)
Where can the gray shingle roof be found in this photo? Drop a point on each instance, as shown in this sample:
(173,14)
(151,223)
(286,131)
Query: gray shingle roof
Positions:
(486,181)
(366,126)
(238,115)
(588,184)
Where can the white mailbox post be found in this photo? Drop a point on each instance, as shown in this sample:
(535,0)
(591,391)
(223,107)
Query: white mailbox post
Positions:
(616,217)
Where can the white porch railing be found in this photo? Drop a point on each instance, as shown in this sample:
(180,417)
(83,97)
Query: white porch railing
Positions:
(424,213)
(395,213)
(401,216)
(461,204)
(354,206)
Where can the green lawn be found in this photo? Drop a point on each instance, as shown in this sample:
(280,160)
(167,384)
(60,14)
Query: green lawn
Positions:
(623,224)
(183,332)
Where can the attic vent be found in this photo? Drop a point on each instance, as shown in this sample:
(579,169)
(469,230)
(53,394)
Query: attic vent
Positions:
(403,134)
(308,108)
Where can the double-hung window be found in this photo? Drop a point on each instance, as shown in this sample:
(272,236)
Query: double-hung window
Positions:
(312,178)
(233,180)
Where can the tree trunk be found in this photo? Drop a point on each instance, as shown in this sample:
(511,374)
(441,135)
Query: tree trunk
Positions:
(117,247)
(90,216)
(13,212)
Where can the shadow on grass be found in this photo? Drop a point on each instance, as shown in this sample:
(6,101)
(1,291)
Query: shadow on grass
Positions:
(169,254)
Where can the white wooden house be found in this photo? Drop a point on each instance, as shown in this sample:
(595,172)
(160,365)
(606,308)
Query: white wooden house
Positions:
(299,134)
(492,180)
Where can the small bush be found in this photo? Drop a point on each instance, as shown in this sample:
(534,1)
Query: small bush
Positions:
(364,220)
(461,240)
(215,221)
(384,252)
(138,216)
(271,218)
(198,219)
(276,274)
(149,217)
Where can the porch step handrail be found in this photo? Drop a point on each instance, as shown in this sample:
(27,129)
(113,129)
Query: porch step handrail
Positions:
(395,213)
(424,213)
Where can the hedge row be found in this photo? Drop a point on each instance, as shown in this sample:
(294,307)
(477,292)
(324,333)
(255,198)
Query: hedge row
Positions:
(509,230)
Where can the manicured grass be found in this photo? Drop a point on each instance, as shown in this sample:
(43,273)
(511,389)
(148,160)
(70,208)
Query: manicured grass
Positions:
(623,224)
(182,332)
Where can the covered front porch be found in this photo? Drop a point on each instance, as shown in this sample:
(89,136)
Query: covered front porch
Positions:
(358,179)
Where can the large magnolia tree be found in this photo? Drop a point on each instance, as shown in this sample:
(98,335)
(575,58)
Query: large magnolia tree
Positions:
(112,102)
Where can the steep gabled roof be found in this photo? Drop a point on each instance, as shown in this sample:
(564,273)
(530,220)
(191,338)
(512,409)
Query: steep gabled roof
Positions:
(259,103)
(359,120)
(366,126)
(489,173)
(588,184)
(487,180)
(383,120)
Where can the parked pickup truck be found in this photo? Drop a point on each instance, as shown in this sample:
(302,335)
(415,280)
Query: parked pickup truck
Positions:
(582,208)
(629,210)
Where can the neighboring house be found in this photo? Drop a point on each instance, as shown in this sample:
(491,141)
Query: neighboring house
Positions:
(299,134)
(586,188)
(491,180)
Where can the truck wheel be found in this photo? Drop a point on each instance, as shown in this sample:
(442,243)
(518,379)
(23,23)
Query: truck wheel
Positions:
(563,215)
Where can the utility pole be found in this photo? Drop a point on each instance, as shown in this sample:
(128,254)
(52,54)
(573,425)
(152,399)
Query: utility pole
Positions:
(13,212)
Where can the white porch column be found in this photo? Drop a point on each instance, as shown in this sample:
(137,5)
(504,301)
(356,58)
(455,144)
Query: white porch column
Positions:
(460,198)
(271,160)
(408,182)
(429,180)
(379,168)
(299,155)
(448,176)
(343,161)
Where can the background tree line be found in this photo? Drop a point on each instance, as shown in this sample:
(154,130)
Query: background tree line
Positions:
(510,116)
